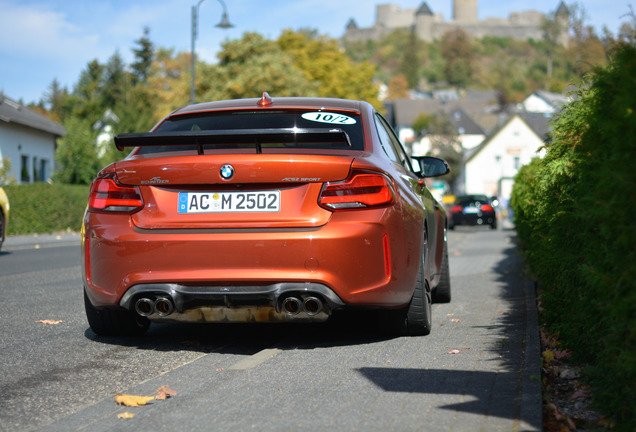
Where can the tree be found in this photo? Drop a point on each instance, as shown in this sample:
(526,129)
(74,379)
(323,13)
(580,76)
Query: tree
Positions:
(398,88)
(144,55)
(55,101)
(76,156)
(458,57)
(336,75)
(552,27)
(248,67)
(87,95)
(444,141)
(410,63)
(115,82)
(6,177)
(169,81)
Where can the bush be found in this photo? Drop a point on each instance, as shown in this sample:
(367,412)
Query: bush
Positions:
(45,208)
(574,210)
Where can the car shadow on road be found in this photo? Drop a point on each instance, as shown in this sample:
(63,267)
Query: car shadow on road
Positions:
(477,387)
(513,391)
(343,329)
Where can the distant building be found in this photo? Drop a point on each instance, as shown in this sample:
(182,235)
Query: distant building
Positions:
(490,168)
(472,116)
(495,144)
(28,141)
(542,102)
(430,26)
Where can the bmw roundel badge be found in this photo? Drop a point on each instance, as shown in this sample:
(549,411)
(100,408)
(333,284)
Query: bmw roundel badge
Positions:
(227,171)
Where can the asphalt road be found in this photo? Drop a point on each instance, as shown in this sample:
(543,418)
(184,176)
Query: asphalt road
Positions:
(477,371)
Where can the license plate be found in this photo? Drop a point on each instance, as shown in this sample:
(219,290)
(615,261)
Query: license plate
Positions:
(229,202)
(471,210)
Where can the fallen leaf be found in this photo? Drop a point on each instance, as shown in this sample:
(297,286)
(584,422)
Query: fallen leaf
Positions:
(455,351)
(219,369)
(164,392)
(548,355)
(450,314)
(125,415)
(49,321)
(132,400)
(455,320)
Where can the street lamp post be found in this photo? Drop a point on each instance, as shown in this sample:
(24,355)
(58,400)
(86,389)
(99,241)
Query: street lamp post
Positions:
(224,24)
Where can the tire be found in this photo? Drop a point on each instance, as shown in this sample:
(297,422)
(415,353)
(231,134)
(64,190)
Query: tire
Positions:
(493,226)
(416,318)
(108,322)
(442,292)
(418,313)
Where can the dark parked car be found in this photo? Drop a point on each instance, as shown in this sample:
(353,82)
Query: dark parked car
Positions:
(472,210)
(264,209)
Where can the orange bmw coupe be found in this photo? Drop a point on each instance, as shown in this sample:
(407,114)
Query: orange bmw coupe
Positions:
(264,209)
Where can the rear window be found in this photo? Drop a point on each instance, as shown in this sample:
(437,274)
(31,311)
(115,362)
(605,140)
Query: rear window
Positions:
(348,122)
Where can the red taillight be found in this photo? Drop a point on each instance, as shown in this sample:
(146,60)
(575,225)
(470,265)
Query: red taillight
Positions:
(487,208)
(456,209)
(363,190)
(107,195)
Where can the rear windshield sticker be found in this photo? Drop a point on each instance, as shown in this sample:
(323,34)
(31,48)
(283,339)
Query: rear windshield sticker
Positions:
(327,117)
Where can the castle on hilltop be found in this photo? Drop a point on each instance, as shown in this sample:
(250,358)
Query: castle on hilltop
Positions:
(429,26)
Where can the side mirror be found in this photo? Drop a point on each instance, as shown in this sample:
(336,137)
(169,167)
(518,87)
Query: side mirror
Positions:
(431,166)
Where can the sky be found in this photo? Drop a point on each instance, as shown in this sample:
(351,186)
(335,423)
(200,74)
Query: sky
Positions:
(43,40)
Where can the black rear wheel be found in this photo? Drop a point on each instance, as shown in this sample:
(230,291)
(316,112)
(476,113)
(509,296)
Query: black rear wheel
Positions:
(442,292)
(418,313)
(416,318)
(109,322)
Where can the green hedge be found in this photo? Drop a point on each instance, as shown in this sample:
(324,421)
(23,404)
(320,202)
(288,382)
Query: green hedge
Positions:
(575,213)
(45,208)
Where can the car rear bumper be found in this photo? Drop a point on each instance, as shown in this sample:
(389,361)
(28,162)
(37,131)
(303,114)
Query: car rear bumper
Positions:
(277,302)
(485,218)
(350,261)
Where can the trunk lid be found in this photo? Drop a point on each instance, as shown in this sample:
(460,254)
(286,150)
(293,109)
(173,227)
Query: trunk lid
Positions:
(263,190)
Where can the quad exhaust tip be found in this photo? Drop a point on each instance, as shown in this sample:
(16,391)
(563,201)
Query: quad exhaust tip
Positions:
(292,306)
(162,306)
(311,305)
(144,307)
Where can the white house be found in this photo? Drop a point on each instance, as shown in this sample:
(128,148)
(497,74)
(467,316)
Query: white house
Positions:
(27,140)
(542,102)
(405,112)
(491,167)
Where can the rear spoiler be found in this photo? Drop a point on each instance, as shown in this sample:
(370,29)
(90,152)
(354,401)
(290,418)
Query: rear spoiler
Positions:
(232,136)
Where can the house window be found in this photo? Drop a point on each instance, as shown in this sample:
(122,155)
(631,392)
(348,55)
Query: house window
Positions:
(44,168)
(25,176)
(497,159)
(36,171)
(517,162)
